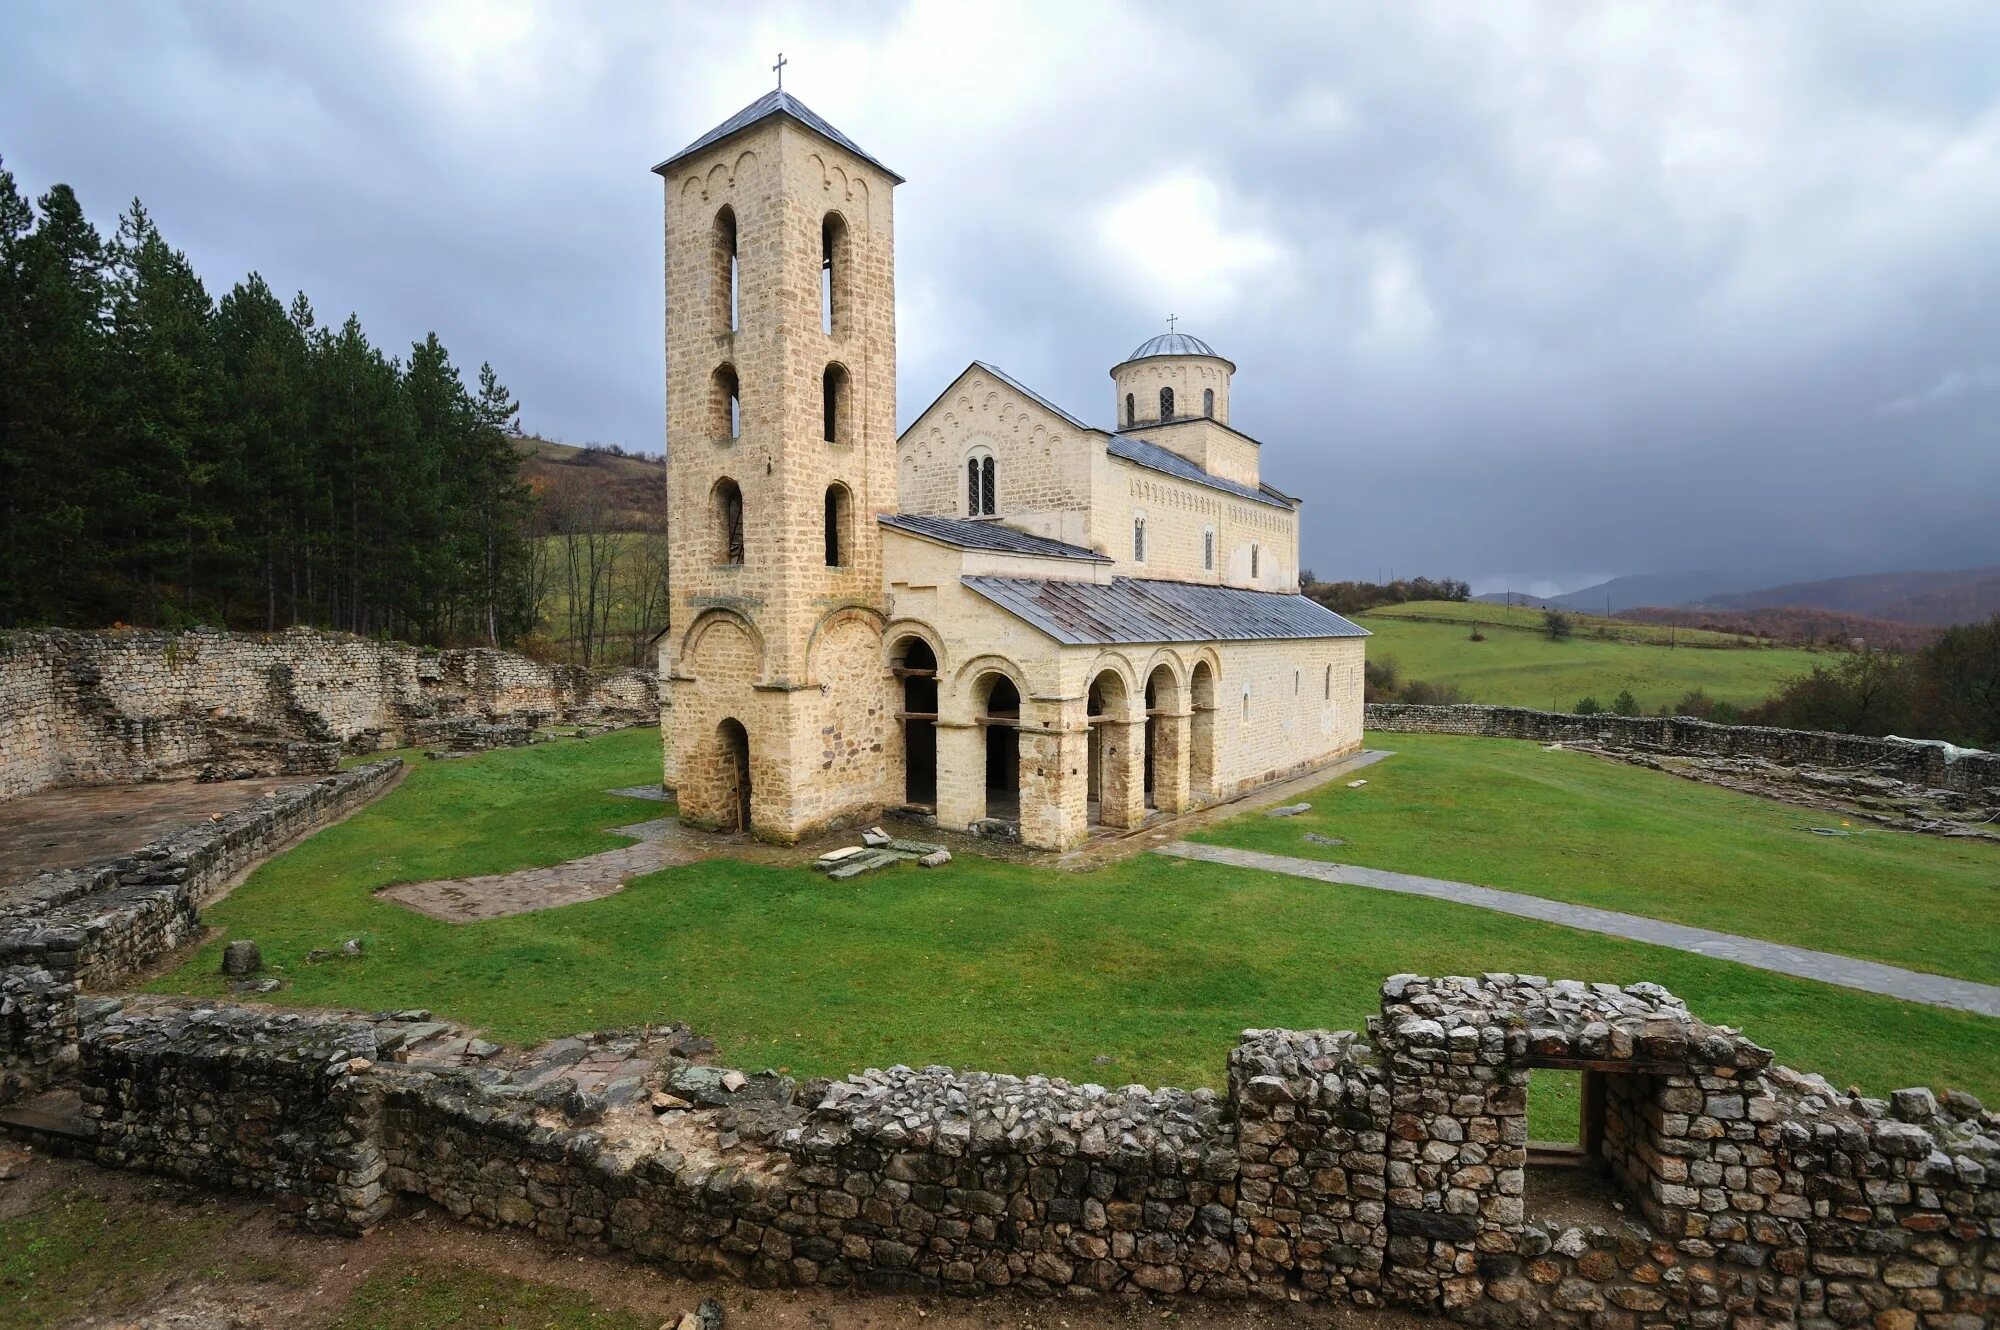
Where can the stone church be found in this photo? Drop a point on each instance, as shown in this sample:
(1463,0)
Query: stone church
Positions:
(1019,622)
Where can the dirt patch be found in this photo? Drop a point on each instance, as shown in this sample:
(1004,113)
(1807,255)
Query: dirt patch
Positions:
(308,1281)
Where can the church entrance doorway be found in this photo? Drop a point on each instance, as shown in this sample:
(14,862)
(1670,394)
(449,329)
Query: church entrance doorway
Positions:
(916,665)
(1001,719)
(735,744)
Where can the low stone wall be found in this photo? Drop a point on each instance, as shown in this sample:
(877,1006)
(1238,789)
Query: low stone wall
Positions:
(38,1030)
(102,923)
(1920,764)
(122,706)
(1369,1171)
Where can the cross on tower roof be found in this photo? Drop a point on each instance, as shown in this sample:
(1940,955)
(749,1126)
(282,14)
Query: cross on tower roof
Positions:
(780,68)
(1172,319)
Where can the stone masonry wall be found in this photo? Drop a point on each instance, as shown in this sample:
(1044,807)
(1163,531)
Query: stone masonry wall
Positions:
(1916,763)
(1379,1170)
(113,707)
(102,923)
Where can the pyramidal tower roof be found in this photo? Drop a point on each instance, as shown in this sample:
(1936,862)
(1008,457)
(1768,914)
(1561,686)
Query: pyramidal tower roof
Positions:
(775,102)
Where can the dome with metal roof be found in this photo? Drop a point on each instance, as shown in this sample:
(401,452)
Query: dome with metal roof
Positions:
(1173,344)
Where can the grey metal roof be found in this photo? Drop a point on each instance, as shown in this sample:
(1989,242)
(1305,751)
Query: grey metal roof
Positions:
(775,102)
(987,536)
(1132,609)
(1173,344)
(1155,458)
(1026,391)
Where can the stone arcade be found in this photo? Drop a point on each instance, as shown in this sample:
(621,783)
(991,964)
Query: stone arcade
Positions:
(1007,618)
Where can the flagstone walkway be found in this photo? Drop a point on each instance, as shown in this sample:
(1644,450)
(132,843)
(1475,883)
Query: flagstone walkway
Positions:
(1868,976)
(464,900)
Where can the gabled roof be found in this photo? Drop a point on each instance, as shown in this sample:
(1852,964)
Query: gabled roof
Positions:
(1135,610)
(1167,462)
(987,536)
(775,102)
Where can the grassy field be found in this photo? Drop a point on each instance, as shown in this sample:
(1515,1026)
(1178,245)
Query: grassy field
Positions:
(1519,664)
(1154,964)
(1569,826)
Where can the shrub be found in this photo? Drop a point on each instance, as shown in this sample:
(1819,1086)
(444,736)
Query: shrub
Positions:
(1587,706)
(1418,693)
(1378,679)
(1557,623)
(1625,704)
(1476,636)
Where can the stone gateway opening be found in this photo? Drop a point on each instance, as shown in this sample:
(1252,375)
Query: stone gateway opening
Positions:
(734,742)
(916,665)
(1001,718)
(1109,788)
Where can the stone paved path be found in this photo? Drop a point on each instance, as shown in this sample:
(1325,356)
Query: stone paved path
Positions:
(1868,976)
(464,900)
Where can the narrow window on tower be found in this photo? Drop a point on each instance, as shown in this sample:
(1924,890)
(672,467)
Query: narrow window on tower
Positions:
(832,272)
(1208,402)
(838,505)
(972,487)
(1166,404)
(725,405)
(728,505)
(1208,550)
(1139,539)
(988,501)
(1329,683)
(1255,559)
(724,278)
(1131,409)
(833,400)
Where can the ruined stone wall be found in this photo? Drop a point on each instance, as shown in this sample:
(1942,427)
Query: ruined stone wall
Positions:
(113,707)
(104,922)
(236,1099)
(38,1030)
(1386,1170)
(1916,763)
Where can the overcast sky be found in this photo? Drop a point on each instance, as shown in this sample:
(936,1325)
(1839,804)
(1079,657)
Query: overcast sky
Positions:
(1523,294)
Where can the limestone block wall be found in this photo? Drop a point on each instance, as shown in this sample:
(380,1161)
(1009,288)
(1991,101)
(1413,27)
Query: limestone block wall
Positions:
(112,707)
(38,1030)
(1917,763)
(102,923)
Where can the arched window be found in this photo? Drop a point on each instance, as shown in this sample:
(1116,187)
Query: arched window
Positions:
(727,502)
(724,277)
(725,404)
(1255,552)
(1208,550)
(1131,409)
(981,486)
(834,405)
(1295,683)
(1208,402)
(1139,539)
(1166,404)
(1329,683)
(832,271)
(838,506)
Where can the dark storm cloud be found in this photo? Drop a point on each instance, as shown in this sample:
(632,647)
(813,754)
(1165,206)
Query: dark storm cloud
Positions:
(1515,293)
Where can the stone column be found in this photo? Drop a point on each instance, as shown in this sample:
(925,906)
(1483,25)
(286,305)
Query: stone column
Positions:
(1170,779)
(961,774)
(1121,798)
(1055,757)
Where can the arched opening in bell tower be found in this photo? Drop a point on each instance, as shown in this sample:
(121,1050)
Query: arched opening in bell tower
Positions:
(839,507)
(725,279)
(725,404)
(836,411)
(726,511)
(833,274)
(733,745)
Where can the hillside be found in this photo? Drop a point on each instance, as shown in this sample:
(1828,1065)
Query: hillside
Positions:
(1936,598)
(1794,624)
(1623,593)
(595,489)
(1519,664)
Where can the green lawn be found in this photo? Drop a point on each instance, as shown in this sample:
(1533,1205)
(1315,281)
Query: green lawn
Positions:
(1156,964)
(1524,667)
(1573,827)
(1471,612)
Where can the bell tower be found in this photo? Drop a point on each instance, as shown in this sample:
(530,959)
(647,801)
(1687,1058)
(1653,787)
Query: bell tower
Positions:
(781,421)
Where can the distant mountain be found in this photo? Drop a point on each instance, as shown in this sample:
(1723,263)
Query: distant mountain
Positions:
(1514,598)
(1624,593)
(1968,595)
